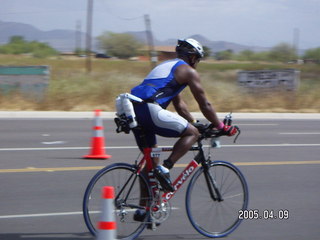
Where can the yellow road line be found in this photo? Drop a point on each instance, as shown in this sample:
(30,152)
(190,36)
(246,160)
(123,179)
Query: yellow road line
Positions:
(60,169)
(277,163)
(31,169)
(266,163)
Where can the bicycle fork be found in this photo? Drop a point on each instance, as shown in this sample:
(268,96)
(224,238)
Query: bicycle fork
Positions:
(212,185)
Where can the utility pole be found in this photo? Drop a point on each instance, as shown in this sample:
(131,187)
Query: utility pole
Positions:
(78,44)
(152,52)
(296,36)
(89,33)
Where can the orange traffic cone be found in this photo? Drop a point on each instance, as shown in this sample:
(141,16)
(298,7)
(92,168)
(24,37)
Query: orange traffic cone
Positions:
(97,141)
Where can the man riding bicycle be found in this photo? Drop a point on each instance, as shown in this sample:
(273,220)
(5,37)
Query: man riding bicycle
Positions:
(163,86)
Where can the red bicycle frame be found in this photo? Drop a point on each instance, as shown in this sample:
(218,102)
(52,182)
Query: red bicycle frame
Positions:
(148,153)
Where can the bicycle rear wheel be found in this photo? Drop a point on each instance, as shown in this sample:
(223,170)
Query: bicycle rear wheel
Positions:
(130,190)
(209,216)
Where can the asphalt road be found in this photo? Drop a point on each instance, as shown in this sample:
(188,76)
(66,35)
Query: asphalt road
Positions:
(43,178)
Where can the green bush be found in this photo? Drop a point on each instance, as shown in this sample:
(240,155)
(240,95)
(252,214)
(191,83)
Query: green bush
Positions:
(17,45)
(119,45)
(283,52)
(313,54)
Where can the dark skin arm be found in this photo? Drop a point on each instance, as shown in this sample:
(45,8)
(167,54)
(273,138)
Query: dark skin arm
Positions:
(184,74)
(182,109)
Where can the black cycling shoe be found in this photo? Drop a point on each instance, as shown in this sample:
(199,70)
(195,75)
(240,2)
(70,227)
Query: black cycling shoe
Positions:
(140,216)
(162,174)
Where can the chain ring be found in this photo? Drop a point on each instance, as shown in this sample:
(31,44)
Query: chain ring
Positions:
(160,213)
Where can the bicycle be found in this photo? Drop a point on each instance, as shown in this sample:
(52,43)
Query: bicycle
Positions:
(217,189)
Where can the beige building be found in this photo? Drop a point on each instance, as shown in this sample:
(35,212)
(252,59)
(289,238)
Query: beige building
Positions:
(163,53)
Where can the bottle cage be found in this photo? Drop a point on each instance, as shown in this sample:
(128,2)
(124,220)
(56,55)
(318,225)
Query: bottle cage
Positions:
(122,123)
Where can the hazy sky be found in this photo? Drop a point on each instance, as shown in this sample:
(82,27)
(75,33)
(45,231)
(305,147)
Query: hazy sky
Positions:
(251,22)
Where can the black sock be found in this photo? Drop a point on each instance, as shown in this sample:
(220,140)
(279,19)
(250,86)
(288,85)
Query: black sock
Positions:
(168,163)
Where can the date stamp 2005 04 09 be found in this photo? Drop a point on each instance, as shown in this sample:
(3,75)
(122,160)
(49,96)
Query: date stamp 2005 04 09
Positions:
(254,214)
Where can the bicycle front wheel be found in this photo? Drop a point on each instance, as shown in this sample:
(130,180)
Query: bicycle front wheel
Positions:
(214,197)
(131,190)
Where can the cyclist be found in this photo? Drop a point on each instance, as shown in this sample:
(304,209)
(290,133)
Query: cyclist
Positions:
(162,86)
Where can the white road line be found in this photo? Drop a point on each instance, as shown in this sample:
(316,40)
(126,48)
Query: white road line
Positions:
(54,142)
(110,115)
(135,147)
(54,214)
(299,133)
(40,215)
(275,145)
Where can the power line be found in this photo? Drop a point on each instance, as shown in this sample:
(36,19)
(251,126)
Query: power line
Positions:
(42,12)
(120,17)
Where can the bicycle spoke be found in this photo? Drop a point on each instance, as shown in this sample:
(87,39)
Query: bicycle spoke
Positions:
(230,184)
(128,192)
(221,216)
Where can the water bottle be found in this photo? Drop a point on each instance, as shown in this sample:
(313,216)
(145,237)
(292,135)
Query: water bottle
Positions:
(228,120)
(119,107)
(129,112)
(215,142)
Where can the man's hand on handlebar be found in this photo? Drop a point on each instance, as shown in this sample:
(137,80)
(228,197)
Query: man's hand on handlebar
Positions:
(208,128)
(229,130)
(224,129)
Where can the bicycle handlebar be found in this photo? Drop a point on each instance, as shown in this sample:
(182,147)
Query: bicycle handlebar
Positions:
(208,131)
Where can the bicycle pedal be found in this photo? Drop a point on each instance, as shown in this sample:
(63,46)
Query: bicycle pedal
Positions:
(152,226)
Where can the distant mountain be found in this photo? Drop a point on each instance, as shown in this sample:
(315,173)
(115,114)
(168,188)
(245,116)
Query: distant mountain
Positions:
(65,40)
(215,46)
(62,40)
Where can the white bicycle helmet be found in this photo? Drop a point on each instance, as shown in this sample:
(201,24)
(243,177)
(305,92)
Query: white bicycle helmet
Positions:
(190,46)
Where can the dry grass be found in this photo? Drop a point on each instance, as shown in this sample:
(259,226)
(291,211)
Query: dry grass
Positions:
(72,89)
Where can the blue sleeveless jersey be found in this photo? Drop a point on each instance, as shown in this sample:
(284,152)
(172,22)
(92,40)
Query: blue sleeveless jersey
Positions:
(160,85)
